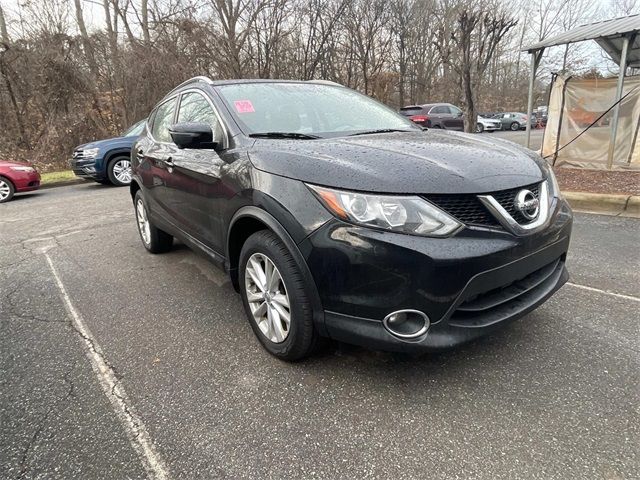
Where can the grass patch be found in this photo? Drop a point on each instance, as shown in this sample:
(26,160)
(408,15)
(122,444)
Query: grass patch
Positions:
(52,177)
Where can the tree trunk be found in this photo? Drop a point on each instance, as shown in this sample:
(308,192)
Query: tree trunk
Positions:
(4,35)
(144,14)
(111,30)
(470,117)
(86,41)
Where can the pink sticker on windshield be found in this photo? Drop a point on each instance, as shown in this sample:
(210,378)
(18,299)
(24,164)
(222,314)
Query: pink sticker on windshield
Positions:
(244,106)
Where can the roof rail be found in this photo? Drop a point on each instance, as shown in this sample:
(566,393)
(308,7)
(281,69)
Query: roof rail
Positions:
(197,79)
(325,82)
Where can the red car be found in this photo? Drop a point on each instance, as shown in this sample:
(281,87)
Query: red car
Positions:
(17,177)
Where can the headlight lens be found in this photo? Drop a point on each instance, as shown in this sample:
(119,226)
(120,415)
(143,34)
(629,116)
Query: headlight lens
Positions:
(403,214)
(23,169)
(90,152)
(552,182)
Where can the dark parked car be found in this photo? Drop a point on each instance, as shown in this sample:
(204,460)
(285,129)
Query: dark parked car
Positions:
(107,161)
(16,177)
(349,223)
(435,115)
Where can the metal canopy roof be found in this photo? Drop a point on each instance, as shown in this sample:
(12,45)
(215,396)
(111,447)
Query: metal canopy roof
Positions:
(608,34)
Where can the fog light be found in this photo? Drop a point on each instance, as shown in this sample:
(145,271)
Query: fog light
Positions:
(89,169)
(407,323)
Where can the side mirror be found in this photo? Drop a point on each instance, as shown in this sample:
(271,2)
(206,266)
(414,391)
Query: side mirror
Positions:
(192,135)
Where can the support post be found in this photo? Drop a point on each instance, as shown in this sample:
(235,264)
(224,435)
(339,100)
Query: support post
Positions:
(616,109)
(536,55)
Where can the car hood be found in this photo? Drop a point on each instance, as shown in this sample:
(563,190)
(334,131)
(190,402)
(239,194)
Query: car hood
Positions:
(403,162)
(109,143)
(7,163)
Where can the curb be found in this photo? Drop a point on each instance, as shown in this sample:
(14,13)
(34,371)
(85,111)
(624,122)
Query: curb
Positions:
(63,183)
(604,203)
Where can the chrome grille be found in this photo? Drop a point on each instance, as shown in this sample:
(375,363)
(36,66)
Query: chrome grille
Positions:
(468,209)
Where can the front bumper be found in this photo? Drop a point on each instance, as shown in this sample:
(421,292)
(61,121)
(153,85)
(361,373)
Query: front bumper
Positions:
(25,181)
(492,127)
(88,168)
(467,285)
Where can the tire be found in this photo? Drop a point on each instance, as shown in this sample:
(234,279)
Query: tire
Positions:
(154,240)
(119,171)
(287,342)
(514,127)
(479,128)
(7,190)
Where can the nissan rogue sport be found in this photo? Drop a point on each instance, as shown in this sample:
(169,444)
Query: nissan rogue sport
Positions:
(336,217)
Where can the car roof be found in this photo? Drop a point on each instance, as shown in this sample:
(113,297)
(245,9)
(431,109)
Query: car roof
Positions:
(216,83)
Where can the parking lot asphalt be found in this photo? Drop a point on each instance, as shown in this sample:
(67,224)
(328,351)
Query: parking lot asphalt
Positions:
(520,137)
(105,347)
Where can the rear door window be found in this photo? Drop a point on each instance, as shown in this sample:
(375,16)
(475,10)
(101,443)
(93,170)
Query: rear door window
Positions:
(440,110)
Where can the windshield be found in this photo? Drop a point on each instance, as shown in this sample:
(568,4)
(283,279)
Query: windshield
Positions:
(309,109)
(134,130)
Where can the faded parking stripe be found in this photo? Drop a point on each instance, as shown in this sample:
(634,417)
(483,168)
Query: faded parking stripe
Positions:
(605,292)
(114,391)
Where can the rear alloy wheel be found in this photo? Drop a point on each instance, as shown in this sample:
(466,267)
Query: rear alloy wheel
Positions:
(153,239)
(119,171)
(6,190)
(479,128)
(275,297)
(515,126)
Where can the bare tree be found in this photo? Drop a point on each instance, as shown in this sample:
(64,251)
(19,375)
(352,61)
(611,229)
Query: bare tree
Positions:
(475,35)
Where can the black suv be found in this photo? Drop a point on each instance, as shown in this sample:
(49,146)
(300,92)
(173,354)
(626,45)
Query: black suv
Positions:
(336,217)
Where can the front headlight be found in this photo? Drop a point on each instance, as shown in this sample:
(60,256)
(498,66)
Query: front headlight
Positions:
(23,169)
(552,182)
(390,212)
(90,152)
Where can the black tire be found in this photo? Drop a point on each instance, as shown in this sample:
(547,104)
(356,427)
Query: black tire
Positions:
(515,126)
(479,128)
(301,338)
(159,240)
(7,184)
(112,175)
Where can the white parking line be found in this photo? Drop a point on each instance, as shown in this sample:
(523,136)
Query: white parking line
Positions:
(605,292)
(114,391)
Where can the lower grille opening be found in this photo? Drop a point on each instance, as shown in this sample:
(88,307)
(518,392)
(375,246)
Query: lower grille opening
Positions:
(502,303)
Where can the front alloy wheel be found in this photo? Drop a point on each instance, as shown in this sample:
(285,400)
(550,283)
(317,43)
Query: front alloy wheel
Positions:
(275,297)
(267,298)
(120,171)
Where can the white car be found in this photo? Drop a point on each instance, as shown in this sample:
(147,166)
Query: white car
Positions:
(487,124)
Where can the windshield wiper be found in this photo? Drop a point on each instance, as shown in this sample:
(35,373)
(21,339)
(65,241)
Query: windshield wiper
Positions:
(380,130)
(298,136)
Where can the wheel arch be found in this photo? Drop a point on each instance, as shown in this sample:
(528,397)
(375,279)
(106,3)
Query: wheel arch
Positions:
(134,186)
(248,220)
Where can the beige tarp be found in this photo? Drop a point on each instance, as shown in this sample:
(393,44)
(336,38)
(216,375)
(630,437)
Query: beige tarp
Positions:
(574,104)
